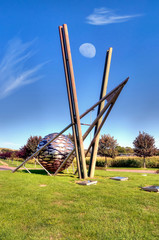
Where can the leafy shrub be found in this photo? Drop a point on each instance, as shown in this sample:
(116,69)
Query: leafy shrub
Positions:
(100,162)
(134,162)
(152,163)
(127,163)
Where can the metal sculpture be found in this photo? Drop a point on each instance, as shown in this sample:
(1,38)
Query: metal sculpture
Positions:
(55,153)
(103,108)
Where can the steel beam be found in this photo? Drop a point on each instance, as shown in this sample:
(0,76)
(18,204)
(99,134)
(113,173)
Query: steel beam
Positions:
(100,107)
(73,102)
(70,100)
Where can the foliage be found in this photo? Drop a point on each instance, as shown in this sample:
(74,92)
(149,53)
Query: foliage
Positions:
(3,150)
(144,146)
(121,150)
(99,163)
(124,150)
(129,150)
(70,136)
(135,163)
(5,154)
(22,153)
(30,147)
(107,146)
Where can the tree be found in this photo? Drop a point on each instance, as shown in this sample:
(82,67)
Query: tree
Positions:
(107,147)
(121,150)
(129,150)
(22,153)
(30,147)
(70,136)
(144,146)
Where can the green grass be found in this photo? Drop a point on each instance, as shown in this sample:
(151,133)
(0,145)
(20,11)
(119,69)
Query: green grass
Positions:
(64,210)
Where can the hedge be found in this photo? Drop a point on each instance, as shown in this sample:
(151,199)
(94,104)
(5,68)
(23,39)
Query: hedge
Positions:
(126,162)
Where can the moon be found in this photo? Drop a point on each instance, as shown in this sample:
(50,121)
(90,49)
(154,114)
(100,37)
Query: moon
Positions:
(88,50)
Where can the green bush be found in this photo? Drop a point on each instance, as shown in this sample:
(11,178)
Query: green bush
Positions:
(152,163)
(100,162)
(127,163)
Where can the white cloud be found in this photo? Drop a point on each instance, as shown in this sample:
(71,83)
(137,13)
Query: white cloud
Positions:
(13,67)
(103,16)
(87,50)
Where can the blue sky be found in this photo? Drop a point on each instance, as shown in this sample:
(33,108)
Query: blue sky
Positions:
(33,97)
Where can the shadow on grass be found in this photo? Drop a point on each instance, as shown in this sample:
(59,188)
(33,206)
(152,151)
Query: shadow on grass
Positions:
(43,172)
(36,171)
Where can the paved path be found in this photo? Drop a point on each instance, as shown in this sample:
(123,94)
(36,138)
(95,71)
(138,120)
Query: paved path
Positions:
(2,168)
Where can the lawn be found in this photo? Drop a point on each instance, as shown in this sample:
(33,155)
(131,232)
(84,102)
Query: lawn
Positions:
(15,163)
(37,206)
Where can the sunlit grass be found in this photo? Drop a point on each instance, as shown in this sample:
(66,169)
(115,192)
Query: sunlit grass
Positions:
(15,163)
(36,206)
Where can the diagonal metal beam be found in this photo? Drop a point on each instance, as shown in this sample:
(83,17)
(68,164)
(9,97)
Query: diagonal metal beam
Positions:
(100,107)
(112,99)
(38,151)
(66,128)
(112,102)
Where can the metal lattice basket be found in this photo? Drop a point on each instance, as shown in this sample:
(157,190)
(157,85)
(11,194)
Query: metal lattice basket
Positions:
(56,152)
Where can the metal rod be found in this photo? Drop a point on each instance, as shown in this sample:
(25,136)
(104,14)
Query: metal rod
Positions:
(99,128)
(86,134)
(85,124)
(96,120)
(26,169)
(70,154)
(75,102)
(43,167)
(105,97)
(103,121)
(66,70)
(34,154)
(86,112)
(93,124)
(100,107)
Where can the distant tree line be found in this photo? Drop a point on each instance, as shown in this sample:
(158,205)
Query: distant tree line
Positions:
(24,152)
(144,146)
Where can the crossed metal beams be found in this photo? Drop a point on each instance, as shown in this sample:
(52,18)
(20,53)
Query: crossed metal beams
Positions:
(111,98)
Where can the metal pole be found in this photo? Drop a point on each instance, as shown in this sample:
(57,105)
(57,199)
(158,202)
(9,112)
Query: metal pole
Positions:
(103,121)
(114,96)
(66,69)
(75,107)
(100,107)
(105,97)
(43,167)
(70,154)
(26,169)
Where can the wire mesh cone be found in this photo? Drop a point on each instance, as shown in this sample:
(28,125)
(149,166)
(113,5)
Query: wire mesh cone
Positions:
(56,152)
